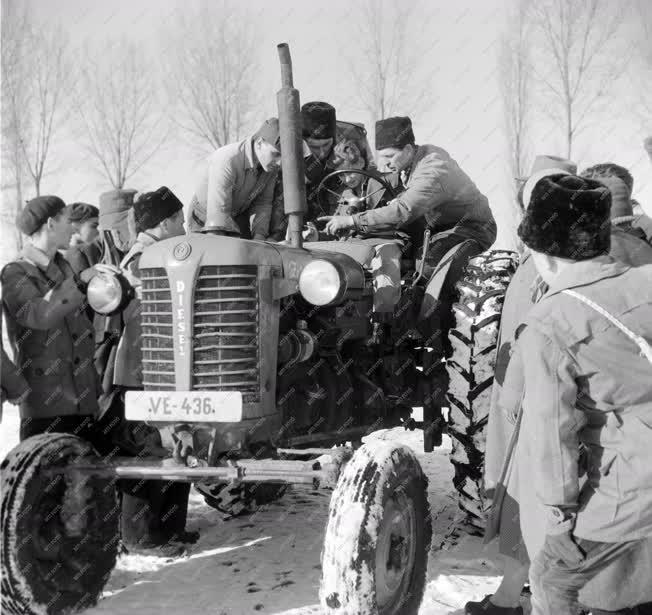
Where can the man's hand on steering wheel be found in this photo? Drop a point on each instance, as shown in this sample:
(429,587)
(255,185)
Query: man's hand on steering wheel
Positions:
(337,224)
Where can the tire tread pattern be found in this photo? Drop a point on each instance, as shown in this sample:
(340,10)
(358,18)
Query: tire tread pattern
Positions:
(474,338)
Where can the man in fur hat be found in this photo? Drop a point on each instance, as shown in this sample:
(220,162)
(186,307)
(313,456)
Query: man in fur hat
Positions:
(153,512)
(319,131)
(437,193)
(236,187)
(501,473)
(582,342)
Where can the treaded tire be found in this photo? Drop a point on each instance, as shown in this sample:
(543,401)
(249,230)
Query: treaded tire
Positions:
(54,559)
(474,339)
(240,499)
(363,548)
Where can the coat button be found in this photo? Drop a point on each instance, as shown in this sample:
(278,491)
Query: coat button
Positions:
(74,336)
(76,361)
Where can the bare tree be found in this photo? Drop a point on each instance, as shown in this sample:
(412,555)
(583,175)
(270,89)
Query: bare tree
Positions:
(578,39)
(117,105)
(643,68)
(36,76)
(213,61)
(515,69)
(387,57)
(15,28)
(51,76)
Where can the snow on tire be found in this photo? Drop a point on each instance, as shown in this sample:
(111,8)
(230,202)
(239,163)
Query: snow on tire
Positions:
(60,534)
(471,371)
(375,554)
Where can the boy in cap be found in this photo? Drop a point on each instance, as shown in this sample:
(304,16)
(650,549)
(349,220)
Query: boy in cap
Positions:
(44,302)
(235,190)
(153,512)
(585,366)
(85,247)
(117,234)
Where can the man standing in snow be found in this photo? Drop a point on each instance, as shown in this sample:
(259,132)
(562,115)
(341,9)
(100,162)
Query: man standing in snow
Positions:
(586,338)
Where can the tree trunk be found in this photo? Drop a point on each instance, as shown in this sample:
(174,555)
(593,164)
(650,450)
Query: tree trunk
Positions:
(569,131)
(19,208)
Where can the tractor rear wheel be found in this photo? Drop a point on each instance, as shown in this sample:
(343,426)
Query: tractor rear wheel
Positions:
(474,338)
(234,500)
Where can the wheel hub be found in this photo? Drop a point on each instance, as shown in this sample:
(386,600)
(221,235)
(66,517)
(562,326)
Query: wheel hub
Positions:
(395,553)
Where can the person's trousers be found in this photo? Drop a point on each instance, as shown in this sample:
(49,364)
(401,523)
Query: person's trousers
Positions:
(385,269)
(74,424)
(556,585)
(153,512)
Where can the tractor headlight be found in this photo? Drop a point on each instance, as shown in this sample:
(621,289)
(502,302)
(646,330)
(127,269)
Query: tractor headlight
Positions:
(106,293)
(320,283)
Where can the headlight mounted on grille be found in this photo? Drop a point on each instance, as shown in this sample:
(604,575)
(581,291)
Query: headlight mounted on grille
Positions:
(321,283)
(108,293)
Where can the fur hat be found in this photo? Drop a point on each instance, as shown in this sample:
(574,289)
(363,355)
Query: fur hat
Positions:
(319,121)
(568,217)
(152,208)
(394,132)
(36,212)
(81,212)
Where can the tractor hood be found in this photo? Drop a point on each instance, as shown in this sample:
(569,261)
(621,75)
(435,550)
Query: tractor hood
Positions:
(183,256)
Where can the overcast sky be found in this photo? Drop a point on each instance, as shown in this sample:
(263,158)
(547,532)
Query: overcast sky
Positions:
(463,116)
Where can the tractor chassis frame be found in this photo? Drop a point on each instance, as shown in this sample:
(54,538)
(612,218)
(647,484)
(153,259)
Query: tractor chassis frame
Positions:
(322,471)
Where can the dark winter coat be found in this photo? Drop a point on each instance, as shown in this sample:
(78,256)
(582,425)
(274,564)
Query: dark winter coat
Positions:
(51,335)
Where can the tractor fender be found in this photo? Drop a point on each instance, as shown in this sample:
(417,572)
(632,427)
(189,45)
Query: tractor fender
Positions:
(440,275)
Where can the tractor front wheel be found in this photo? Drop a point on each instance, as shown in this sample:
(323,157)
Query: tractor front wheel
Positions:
(375,553)
(60,531)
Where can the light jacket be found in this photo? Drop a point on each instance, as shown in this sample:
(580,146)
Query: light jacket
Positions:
(51,335)
(234,182)
(438,190)
(128,370)
(584,381)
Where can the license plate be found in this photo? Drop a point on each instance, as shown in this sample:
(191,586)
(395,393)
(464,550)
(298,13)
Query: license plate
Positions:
(182,406)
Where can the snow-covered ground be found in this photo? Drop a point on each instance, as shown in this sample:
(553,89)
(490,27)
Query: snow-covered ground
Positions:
(269,562)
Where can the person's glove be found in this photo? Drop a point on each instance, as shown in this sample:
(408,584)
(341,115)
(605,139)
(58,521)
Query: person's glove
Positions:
(88,274)
(337,224)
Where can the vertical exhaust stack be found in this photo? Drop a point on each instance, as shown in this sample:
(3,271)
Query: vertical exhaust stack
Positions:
(289,116)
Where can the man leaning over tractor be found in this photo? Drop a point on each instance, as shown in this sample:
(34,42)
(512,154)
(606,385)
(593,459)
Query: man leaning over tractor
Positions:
(237,182)
(438,197)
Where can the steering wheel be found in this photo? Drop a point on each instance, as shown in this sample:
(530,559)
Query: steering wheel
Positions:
(385,185)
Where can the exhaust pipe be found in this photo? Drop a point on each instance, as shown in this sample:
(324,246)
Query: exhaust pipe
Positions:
(289,117)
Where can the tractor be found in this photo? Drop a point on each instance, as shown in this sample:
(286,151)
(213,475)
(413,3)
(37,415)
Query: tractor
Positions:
(268,360)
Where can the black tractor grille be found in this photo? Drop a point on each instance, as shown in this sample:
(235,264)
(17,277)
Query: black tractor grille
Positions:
(225,330)
(157,335)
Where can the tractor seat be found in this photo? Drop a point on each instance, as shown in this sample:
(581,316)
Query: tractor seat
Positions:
(360,250)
